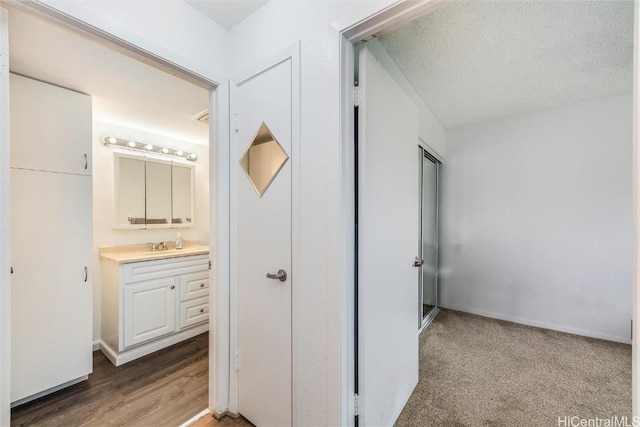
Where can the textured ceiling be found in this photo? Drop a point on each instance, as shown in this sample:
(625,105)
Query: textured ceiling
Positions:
(472,61)
(227,13)
(124,91)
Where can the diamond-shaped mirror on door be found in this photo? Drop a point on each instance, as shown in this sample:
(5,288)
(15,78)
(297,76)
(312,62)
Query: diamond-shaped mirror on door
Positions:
(263,159)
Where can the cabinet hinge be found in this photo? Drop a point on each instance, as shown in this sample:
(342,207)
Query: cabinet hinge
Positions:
(237,362)
(237,122)
(209,265)
(356,405)
(356,96)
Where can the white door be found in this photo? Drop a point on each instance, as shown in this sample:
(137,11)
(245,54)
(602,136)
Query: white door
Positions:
(51,286)
(263,104)
(388,224)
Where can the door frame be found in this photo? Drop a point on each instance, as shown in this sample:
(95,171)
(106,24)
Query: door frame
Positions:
(291,52)
(5,225)
(424,321)
(347,34)
(218,87)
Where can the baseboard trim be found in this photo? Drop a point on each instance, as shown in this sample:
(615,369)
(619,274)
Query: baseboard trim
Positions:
(195,418)
(219,415)
(109,353)
(96,345)
(538,324)
(143,349)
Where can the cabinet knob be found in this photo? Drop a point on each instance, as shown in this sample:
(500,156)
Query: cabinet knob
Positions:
(173,286)
(202,310)
(202,285)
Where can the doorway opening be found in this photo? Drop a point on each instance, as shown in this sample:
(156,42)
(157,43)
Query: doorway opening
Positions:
(458,167)
(170,115)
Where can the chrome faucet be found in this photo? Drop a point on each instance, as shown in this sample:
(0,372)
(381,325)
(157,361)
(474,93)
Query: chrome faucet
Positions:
(159,246)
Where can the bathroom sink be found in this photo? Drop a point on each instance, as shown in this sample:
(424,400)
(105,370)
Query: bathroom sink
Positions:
(164,251)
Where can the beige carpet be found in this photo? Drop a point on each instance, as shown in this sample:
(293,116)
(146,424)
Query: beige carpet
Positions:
(476,371)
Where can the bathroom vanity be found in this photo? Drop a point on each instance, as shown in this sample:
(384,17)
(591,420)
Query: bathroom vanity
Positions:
(152,299)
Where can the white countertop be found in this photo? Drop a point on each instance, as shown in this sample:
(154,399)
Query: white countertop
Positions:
(142,252)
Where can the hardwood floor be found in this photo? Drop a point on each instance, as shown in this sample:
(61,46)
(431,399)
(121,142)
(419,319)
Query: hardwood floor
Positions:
(165,388)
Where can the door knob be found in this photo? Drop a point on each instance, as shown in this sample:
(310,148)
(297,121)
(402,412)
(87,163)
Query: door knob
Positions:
(281,275)
(418,262)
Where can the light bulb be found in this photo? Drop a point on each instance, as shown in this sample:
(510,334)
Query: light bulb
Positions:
(148,147)
(179,153)
(165,150)
(193,156)
(112,140)
(131,144)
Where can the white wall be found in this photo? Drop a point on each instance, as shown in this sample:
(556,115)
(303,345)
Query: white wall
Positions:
(537,219)
(170,29)
(103,200)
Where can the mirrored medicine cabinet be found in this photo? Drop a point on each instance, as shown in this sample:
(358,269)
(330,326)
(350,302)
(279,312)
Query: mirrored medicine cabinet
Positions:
(152,193)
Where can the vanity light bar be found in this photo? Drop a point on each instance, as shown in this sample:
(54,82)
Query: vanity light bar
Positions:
(148,148)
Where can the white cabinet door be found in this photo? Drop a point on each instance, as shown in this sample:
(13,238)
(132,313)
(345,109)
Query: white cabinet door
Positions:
(149,310)
(388,238)
(51,287)
(50,127)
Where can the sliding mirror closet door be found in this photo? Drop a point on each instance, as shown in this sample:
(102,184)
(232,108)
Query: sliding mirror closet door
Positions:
(429,236)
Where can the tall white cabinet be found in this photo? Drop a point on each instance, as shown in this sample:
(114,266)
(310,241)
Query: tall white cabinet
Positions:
(51,236)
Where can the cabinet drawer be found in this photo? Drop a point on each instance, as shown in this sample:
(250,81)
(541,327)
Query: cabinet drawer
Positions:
(147,270)
(194,312)
(194,286)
